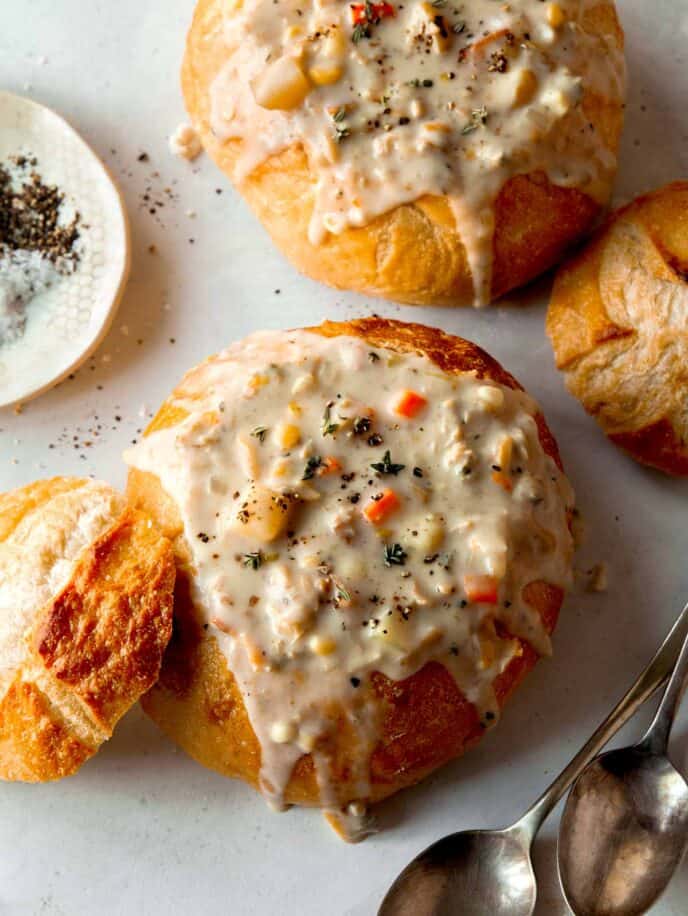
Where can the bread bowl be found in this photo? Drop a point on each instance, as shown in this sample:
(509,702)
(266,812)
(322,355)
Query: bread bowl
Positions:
(370,523)
(85,613)
(428,153)
(618,322)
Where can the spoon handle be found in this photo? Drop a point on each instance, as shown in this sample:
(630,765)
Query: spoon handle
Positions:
(657,736)
(651,678)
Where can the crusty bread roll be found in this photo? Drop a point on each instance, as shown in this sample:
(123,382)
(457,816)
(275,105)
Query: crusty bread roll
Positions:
(449,155)
(618,322)
(334,643)
(85,613)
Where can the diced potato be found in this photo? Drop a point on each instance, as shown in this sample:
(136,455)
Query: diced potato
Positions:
(431,531)
(351,566)
(491,397)
(263,515)
(282,85)
(526,87)
(395,631)
(334,46)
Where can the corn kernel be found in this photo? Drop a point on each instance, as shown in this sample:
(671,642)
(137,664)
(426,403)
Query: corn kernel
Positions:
(263,515)
(307,741)
(288,435)
(526,87)
(431,532)
(325,74)
(282,85)
(334,47)
(283,732)
(555,15)
(322,645)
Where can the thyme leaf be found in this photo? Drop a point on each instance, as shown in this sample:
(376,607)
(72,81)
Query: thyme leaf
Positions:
(394,555)
(312,466)
(387,466)
(259,433)
(253,560)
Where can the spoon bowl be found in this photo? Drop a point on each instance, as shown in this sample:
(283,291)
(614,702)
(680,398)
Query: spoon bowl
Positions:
(469,873)
(623,833)
(489,872)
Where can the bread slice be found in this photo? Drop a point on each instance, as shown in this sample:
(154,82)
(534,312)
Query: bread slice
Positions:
(85,614)
(618,322)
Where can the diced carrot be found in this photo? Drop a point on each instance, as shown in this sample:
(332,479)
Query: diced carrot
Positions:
(377,510)
(503,480)
(370,12)
(329,465)
(409,404)
(481,589)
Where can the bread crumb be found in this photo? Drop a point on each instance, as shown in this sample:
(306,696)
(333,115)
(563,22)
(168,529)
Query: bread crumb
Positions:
(185,143)
(598,578)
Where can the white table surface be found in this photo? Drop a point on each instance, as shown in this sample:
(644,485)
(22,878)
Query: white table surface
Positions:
(144,829)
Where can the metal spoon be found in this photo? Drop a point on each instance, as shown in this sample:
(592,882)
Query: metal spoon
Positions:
(625,825)
(489,872)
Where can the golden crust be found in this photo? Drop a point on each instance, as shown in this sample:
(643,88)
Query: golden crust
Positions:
(413,253)
(92,649)
(426,719)
(618,322)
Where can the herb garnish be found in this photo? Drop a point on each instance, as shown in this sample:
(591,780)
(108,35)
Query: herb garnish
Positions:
(394,555)
(312,466)
(259,433)
(341,131)
(387,466)
(361,30)
(328,428)
(478,119)
(420,84)
(340,593)
(253,560)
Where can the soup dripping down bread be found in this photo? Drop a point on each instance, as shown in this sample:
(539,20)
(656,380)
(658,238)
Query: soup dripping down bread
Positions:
(371,529)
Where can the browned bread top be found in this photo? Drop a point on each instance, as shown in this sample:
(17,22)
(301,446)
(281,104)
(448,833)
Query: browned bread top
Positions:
(85,614)
(618,322)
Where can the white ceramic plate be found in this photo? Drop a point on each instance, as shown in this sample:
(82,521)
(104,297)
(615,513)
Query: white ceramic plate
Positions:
(68,321)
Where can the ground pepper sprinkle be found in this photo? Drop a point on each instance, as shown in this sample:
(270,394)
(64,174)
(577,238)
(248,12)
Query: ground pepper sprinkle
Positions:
(37,245)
